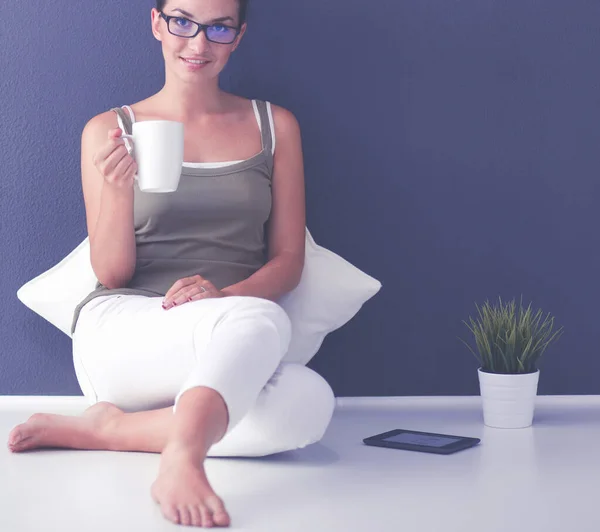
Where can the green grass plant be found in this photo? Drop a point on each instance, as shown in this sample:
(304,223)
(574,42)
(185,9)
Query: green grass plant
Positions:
(510,339)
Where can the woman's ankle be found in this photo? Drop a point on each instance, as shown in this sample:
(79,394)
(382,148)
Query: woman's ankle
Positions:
(192,452)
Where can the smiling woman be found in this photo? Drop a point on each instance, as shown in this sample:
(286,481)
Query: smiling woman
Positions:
(188,279)
(221,28)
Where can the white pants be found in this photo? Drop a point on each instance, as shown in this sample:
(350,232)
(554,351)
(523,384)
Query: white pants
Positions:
(131,352)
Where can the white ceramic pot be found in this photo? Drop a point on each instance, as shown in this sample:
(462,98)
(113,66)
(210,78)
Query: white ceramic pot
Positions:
(508,400)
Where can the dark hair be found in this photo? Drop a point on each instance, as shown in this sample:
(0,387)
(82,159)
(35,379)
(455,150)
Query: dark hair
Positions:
(243,4)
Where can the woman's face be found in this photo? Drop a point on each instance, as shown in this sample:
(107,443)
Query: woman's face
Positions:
(197,57)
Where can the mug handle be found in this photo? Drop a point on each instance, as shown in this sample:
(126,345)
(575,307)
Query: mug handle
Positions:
(129,146)
(127,138)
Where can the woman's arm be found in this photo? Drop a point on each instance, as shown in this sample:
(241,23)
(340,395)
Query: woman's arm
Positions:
(286,229)
(107,181)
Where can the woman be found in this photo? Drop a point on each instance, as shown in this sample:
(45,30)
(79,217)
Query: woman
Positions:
(184,312)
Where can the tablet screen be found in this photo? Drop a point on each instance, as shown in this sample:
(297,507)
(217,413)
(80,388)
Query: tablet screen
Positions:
(421,439)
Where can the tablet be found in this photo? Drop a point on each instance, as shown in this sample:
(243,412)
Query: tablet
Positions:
(427,442)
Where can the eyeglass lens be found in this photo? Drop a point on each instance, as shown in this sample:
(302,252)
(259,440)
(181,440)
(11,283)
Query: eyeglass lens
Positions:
(216,33)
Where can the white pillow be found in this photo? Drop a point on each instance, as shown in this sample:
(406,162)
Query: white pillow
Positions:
(330,293)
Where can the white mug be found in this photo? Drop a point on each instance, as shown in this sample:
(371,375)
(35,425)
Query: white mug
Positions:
(158,152)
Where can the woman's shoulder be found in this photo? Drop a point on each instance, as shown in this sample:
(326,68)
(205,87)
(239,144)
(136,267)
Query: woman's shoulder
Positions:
(108,119)
(285,121)
(283,114)
(242,103)
(101,123)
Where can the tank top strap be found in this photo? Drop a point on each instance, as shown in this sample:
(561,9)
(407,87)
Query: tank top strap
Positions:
(123,120)
(130,110)
(265,127)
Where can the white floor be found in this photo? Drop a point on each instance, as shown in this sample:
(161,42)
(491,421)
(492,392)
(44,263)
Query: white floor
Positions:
(545,478)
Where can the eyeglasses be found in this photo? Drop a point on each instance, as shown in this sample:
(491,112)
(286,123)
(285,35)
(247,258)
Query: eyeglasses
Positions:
(217,33)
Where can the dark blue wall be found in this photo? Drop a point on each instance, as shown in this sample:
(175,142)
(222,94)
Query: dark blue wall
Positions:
(452,151)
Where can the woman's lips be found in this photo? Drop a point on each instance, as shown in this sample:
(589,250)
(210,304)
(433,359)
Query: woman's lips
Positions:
(195,64)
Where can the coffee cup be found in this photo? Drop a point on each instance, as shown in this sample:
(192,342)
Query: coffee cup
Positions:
(158,152)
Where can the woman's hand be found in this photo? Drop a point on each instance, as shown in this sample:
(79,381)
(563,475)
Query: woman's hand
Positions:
(114,162)
(190,289)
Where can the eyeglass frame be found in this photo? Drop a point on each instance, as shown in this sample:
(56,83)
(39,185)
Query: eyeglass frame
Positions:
(200,28)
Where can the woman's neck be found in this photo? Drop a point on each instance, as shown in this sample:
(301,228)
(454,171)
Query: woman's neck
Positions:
(190,102)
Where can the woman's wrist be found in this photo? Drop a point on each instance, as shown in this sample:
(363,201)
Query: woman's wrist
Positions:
(118,192)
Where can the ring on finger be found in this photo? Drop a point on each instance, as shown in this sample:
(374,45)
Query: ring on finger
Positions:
(202,289)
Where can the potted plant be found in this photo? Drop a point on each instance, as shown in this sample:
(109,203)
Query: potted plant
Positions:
(510,342)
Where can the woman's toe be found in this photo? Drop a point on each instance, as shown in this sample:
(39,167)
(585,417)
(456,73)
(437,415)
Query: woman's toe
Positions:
(207,518)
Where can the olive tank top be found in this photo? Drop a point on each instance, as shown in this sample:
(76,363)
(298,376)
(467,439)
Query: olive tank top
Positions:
(212,225)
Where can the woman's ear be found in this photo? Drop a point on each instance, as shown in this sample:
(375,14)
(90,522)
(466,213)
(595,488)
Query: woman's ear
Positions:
(239,37)
(155,20)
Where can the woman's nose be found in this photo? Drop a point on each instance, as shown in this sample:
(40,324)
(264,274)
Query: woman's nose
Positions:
(200,42)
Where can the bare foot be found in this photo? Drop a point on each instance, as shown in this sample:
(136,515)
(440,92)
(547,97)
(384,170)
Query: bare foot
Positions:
(184,494)
(73,432)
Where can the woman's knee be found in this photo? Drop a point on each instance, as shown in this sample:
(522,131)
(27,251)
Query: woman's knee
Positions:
(265,313)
